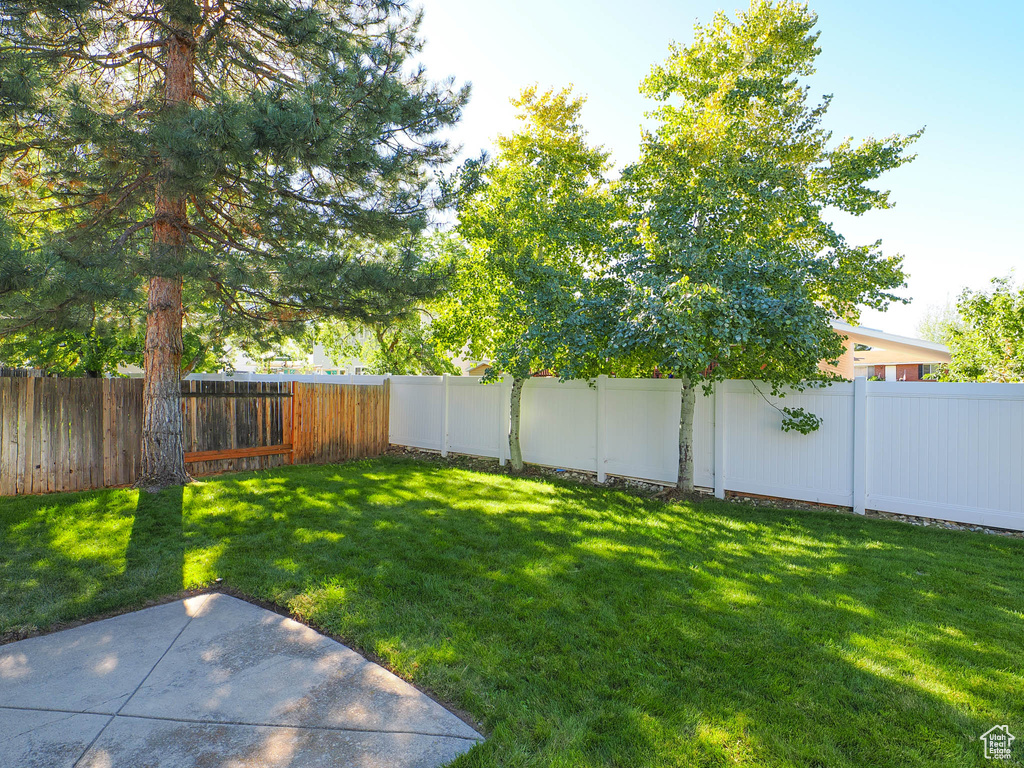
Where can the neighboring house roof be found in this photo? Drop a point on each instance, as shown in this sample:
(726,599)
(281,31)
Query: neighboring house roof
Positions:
(889,348)
(477,370)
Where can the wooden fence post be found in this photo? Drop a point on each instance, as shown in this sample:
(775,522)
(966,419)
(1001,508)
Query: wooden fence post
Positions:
(296,411)
(26,435)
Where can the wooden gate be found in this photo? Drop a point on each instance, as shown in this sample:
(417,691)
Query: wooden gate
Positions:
(236,425)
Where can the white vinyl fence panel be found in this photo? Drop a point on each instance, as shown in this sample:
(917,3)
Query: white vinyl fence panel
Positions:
(703,442)
(762,459)
(558,426)
(417,411)
(641,428)
(949,451)
(477,414)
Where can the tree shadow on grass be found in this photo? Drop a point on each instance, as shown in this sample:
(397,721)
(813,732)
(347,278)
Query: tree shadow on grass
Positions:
(72,556)
(582,626)
(154,560)
(594,628)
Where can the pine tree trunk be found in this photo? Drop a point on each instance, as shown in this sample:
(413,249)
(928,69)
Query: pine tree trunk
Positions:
(515,451)
(163,460)
(686,408)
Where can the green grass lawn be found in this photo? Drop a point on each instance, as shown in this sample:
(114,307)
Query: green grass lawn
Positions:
(580,626)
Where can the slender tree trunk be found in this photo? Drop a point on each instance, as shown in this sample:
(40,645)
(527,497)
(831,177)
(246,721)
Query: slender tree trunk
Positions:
(686,408)
(515,451)
(163,461)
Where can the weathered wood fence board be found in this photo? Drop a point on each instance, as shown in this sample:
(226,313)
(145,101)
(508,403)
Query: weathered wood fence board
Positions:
(20,372)
(235,426)
(68,434)
(122,430)
(75,434)
(334,423)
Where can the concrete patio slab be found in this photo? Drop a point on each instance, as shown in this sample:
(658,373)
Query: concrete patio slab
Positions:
(144,743)
(214,681)
(30,738)
(239,663)
(94,667)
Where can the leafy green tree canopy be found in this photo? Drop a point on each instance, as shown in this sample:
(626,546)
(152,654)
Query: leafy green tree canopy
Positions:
(532,233)
(730,263)
(988,343)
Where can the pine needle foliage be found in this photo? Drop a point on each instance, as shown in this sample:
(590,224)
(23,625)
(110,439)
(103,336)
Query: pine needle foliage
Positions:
(267,160)
(308,140)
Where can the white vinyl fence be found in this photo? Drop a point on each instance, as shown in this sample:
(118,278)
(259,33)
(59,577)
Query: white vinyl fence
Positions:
(948,451)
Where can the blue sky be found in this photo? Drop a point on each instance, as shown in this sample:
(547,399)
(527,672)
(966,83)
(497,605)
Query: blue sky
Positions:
(893,66)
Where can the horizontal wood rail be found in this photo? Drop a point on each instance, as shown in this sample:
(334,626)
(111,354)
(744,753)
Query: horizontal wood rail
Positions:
(237,453)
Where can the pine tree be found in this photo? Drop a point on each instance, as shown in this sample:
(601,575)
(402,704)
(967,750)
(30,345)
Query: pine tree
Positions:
(251,153)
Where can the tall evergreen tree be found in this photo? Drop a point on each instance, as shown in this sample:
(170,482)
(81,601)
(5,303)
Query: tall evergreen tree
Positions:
(253,151)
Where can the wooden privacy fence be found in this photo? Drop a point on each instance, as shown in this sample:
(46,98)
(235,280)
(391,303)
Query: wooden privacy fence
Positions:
(75,434)
(17,372)
(334,422)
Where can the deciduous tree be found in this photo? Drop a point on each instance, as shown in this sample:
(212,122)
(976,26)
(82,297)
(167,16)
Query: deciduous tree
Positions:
(938,322)
(402,346)
(534,226)
(988,343)
(729,263)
